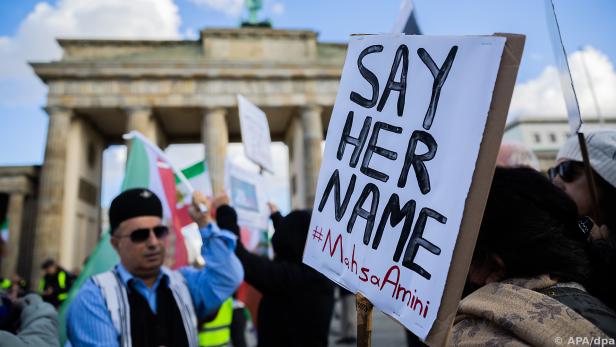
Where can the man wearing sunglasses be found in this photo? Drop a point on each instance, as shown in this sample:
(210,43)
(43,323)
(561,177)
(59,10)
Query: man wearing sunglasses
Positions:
(141,302)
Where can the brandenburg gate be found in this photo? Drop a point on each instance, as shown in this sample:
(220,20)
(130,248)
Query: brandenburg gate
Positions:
(174,92)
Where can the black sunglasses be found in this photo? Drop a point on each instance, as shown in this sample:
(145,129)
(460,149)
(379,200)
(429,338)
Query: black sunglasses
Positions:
(140,235)
(568,170)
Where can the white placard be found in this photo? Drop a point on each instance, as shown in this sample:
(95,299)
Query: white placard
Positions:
(247,195)
(401,149)
(255,133)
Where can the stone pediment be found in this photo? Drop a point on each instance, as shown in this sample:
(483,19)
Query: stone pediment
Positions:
(218,53)
(260,45)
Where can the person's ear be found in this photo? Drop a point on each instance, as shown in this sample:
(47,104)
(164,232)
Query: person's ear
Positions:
(114,242)
(498,270)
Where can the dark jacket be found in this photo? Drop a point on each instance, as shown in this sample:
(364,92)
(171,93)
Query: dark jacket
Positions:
(587,306)
(602,283)
(298,302)
(60,284)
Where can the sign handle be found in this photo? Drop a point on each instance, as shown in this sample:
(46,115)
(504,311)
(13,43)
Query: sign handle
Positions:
(364,320)
(590,178)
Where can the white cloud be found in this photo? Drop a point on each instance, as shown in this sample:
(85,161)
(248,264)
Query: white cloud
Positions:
(232,8)
(278,8)
(36,34)
(542,96)
(190,34)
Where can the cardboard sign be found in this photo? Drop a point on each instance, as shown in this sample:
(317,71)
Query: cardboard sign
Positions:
(247,195)
(400,155)
(255,133)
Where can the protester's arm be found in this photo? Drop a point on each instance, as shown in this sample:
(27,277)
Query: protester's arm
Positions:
(275,215)
(222,273)
(262,273)
(272,276)
(88,320)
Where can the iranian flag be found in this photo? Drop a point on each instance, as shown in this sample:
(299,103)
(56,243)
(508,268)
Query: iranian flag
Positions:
(198,176)
(146,167)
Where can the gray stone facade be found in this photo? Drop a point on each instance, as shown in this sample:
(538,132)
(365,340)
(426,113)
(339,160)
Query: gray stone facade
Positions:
(175,92)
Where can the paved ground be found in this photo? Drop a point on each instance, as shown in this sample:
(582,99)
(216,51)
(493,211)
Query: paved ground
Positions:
(386,332)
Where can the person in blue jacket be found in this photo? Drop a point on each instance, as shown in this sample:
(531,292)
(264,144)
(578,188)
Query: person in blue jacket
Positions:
(141,302)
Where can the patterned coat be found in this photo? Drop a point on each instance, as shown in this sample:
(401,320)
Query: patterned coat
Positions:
(513,313)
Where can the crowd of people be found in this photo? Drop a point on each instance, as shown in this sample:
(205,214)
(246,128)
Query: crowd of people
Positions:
(543,267)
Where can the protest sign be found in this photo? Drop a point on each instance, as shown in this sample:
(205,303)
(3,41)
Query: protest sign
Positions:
(400,167)
(255,133)
(247,195)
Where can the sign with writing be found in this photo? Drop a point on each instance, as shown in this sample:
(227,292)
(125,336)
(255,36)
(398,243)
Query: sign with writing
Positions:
(255,133)
(399,158)
(247,195)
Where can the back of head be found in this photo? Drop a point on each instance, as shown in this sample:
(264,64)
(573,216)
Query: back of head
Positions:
(49,262)
(290,236)
(532,225)
(513,154)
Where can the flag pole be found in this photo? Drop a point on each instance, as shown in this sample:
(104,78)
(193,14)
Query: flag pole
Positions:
(571,100)
(364,320)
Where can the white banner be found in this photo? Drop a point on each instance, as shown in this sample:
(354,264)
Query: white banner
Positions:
(255,133)
(399,158)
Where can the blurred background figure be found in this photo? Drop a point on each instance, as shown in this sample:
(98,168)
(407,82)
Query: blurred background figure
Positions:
(17,287)
(298,302)
(515,154)
(56,283)
(348,317)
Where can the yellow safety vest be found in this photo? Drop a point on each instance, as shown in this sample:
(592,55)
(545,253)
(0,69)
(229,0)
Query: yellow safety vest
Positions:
(6,283)
(217,333)
(61,283)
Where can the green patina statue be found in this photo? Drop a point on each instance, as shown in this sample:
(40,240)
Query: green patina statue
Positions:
(254,6)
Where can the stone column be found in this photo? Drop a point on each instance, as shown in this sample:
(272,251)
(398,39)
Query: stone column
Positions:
(216,138)
(313,136)
(140,118)
(50,223)
(16,206)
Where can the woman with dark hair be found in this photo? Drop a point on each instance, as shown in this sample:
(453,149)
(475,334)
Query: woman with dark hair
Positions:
(569,175)
(298,302)
(529,265)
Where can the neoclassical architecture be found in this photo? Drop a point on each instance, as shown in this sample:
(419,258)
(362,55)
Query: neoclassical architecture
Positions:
(174,92)
(18,205)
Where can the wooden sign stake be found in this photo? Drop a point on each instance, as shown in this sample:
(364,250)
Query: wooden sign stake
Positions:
(364,320)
